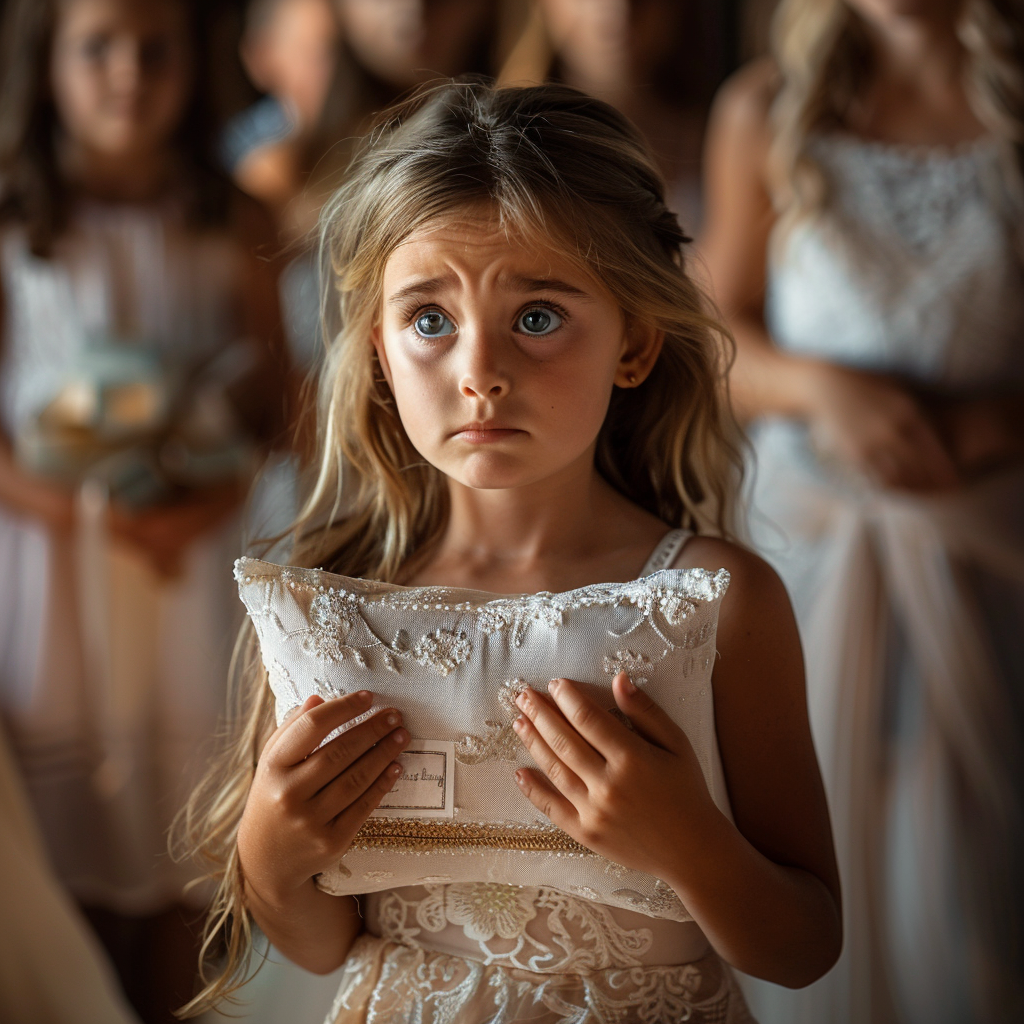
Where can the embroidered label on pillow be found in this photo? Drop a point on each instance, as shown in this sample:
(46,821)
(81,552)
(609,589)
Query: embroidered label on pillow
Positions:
(426,787)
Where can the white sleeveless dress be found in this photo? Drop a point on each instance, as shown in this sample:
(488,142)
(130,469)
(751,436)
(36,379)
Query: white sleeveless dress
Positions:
(911,608)
(485,952)
(111,679)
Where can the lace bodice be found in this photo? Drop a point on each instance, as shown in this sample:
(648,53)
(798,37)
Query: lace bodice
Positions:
(529,928)
(912,268)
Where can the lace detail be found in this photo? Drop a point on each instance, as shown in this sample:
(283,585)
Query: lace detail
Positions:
(408,983)
(912,268)
(569,935)
(334,613)
(915,193)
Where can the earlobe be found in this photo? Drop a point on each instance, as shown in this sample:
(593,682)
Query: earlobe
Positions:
(639,355)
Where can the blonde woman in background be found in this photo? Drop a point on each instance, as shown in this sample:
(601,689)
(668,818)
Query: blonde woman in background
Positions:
(865,226)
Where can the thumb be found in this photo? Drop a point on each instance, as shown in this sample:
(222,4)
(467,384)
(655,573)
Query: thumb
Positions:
(648,718)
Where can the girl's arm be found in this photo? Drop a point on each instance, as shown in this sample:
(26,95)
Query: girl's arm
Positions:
(305,806)
(869,420)
(765,891)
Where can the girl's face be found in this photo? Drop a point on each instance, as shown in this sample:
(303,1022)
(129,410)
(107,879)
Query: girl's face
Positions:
(120,73)
(501,356)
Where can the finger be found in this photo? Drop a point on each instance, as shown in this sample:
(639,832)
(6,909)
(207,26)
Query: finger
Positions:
(348,823)
(559,734)
(359,776)
(555,807)
(310,728)
(306,705)
(649,719)
(604,735)
(560,775)
(332,759)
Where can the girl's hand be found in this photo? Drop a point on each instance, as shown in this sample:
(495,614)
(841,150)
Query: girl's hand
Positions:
(878,427)
(306,804)
(633,797)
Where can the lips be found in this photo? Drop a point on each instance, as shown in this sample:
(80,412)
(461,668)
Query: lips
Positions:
(485,433)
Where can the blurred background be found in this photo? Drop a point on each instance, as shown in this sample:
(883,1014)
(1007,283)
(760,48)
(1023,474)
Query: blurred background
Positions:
(161,314)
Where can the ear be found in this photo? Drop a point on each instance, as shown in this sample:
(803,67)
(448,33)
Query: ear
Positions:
(382,356)
(640,351)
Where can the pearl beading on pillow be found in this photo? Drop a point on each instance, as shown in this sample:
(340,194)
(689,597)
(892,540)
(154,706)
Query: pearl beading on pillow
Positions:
(453,662)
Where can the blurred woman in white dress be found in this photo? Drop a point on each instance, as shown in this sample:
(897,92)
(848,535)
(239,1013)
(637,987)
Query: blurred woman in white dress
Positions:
(864,237)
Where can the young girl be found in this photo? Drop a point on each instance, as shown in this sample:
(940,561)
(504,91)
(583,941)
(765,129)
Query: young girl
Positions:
(526,388)
(138,324)
(866,199)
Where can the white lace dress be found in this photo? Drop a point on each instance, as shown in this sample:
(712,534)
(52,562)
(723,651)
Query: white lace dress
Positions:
(911,609)
(111,679)
(476,952)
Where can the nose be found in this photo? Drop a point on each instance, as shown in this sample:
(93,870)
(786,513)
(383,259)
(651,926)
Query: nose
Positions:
(483,373)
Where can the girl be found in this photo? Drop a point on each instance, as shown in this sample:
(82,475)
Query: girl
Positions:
(525,386)
(135,307)
(869,177)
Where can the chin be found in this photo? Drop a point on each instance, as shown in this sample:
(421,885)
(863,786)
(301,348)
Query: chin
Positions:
(492,472)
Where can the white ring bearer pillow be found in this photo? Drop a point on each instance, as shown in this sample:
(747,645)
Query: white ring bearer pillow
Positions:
(452,661)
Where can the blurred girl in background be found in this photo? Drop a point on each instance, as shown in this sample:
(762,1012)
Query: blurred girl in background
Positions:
(139,372)
(289,50)
(866,207)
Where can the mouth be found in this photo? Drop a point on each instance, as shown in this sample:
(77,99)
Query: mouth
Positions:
(485,433)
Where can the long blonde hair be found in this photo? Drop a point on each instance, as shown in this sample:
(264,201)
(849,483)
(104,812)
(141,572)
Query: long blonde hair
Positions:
(824,58)
(546,158)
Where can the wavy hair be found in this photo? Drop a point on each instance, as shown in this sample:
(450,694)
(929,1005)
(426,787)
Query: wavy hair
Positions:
(824,58)
(545,159)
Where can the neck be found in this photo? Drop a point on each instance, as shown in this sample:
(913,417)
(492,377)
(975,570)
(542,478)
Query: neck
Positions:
(504,534)
(135,177)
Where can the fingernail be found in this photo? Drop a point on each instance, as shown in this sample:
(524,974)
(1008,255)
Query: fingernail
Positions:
(520,776)
(364,695)
(392,720)
(554,686)
(523,700)
(627,684)
(400,736)
(395,769)
(519,723)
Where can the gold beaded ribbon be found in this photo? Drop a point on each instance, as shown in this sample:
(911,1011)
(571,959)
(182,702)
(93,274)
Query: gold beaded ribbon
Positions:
(416,834)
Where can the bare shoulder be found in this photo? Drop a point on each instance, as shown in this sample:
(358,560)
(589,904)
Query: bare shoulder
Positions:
(748,571)
(756,617)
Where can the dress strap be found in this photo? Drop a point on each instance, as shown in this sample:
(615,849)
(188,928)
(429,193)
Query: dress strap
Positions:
(666,551)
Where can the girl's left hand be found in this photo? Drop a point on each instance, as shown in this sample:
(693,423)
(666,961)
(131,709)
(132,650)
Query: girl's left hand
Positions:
(637,798)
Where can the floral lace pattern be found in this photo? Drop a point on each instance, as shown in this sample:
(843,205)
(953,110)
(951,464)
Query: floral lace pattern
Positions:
(528,954)
(414,986)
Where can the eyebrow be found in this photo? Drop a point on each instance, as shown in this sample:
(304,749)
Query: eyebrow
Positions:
(544,284)
(429,284)
(518,283)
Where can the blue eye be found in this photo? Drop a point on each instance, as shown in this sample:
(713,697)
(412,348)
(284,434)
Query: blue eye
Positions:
(433,325)
(539,321)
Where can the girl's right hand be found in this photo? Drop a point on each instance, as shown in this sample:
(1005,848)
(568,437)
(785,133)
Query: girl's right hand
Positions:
(306,804)
(878,427)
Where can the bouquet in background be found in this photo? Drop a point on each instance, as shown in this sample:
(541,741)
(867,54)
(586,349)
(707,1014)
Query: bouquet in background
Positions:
(146,429)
